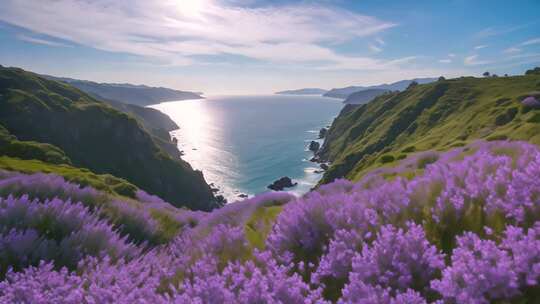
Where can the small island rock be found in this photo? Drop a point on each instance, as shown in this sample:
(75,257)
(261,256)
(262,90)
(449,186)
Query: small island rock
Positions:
(324,166)
(314,146)
(282,183)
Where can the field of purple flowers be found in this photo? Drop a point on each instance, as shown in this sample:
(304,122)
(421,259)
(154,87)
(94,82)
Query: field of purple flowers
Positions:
(461,226)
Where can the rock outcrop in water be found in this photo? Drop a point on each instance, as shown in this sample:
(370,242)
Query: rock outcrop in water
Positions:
(314,146)
(322,133)
(282,183)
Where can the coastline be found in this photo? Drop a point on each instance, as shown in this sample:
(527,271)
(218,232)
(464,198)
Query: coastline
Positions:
(223,138)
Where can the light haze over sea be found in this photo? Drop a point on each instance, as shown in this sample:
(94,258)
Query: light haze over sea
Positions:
(243,143)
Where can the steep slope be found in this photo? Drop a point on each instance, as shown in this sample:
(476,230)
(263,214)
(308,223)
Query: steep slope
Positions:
(364,96)
(11,146)
(152,119)
(95,136)
(343,92)
(395,86)
(156,123)
(437,116)
(134,94)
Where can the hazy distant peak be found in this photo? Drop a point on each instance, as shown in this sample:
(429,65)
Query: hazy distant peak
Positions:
(304,91)
(128,93)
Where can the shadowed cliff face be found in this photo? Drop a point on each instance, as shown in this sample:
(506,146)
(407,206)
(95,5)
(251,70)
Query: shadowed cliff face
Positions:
(95,136)
(437,116)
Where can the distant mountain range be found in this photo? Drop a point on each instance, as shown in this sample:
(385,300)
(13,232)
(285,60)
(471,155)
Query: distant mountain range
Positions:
(127,93)
(343,93)
(305,91)
(364,96)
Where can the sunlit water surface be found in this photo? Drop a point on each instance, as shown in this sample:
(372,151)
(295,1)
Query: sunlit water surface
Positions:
(244,143)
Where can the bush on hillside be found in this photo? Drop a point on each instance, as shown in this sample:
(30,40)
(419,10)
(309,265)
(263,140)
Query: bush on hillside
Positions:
(535,71)
(462,229)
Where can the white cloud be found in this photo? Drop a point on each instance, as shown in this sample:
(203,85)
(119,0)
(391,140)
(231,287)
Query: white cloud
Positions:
(517,49)
(511,50)
(479,47)
(445,61)
(377,45)
(528,55)
(173,32)
(473,60)
(40,41)
(451,55)
(531,41)
(491,31)
(374,48)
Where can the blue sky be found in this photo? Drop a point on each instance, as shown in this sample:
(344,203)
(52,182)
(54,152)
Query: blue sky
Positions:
(250,46)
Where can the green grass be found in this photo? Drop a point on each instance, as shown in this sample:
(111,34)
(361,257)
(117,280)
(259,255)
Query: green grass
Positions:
(260,224)
(11,146)
(103,182)
(169,227)
(436,116)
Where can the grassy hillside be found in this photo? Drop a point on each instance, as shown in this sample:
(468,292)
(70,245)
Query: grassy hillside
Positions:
(95,136)
(84,177)
(435,116)
(156,123)
(127,93)
(364,96)
(11,146)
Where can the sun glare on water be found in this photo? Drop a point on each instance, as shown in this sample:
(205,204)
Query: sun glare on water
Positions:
(197,139)
(191,120)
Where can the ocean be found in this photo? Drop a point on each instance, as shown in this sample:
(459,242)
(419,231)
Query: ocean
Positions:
(244,143)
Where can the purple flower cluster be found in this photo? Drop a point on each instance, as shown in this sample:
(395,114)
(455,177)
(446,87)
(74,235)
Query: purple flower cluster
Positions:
(483,271)
(32,231)
(260,280)
(46,187)
(461,226)
(328,233)
(531,101)
(130,217)
(395,262)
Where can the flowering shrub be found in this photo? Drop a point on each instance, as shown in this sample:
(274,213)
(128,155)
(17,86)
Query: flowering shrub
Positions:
(261,280)
(55,230)
(46,187)
(395,262)
(131,218)
(461,226)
